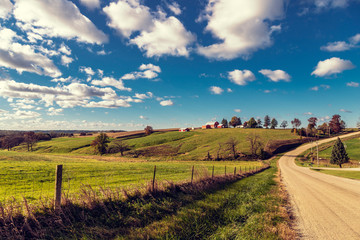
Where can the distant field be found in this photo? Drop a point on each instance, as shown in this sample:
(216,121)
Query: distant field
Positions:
(32,175)
(193,145)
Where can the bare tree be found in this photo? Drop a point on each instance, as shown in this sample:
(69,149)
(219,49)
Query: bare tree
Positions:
(30,139)
(118,146)
(231,146)
(218,152)
(255,144)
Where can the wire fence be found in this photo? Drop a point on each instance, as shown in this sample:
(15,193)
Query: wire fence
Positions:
(34,185)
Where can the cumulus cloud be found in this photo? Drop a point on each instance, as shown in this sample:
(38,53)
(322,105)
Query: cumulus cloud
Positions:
(237,110)
(55,112)
(144,96)
(167,103)
(175,8)
(151,67)
(88,70)
(276,76)
(322,4)
(355,39)
(317,88)
(65,60)
(308,113)
(216,90)
(91,4)
(17,115)
(241,77)
(341,46)
(5,8)
(23,57)
(345,111)
(143,117)
(352,84)
(65,49)
(332,66)
(149,71)
(109,81)
(153,32)
(56,18)
(242,26)
(63,80)
(68,96)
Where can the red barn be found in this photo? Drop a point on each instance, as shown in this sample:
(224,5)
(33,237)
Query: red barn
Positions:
(210,125)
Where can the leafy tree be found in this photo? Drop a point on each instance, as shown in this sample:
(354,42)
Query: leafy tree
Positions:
(30,139)
(100,143)
(312,121)
(259,123)
(342,124)
(284,124)
(252,123)
(149,130)
(235,121)
(335,123)
(274,123)
(224,122)
(296,124)
(231,146)
(338,154)
(311,130)
(324,128)
(267,121)
(245,125)
(118,146)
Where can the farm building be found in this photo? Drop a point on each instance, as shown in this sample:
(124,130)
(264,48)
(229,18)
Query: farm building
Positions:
(209,125)
(184,130)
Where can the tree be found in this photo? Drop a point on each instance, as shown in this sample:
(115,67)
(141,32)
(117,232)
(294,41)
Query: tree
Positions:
(255,144)
(259,123)
(296,123)
(100,143)
(335,124)
(235,121)
(342,124)
(118,146)
(324,128)
(312,121)
(231,146)
(274,123)
(252,123)
(30,139)
(284,124)
(338,154)
(267,121)
(224,122)
(148,130)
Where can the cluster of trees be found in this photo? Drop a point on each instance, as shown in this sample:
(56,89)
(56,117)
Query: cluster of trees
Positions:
(11,139)
(252,123)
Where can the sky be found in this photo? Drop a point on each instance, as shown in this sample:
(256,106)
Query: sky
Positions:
(126,64)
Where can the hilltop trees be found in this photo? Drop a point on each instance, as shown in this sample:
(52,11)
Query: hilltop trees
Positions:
(335,123)
(100,143)
(224,122)
(252,123)
(259,123)
(148,130)
(296,123)
(30,139)
(338,154)
(311,130)
(284,124)
(235,121)
(274,123)
(266,121)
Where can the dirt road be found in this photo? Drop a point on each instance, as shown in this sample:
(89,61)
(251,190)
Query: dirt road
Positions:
(325,206)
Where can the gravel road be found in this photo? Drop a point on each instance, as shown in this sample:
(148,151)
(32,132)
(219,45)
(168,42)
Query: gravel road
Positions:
(325,206)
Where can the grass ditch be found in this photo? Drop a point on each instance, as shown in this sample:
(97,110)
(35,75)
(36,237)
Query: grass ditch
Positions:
(344,174)
(212,208)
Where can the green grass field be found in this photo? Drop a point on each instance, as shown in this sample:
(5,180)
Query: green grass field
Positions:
(352,148)
(32,175)
(345,174)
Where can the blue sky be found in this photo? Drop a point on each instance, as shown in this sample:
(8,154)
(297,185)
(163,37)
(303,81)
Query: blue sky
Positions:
(125,64)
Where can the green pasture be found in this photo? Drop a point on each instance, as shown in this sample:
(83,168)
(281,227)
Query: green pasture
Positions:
(32,175)
(352,148)
(345,174)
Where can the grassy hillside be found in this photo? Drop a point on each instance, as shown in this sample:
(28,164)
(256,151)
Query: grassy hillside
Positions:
(352,148)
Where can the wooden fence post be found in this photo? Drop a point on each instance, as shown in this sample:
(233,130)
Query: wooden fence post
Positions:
(192,174)
(234,171)
(153,181)
(225,170)
(240,170)
(212,175)
(58,182)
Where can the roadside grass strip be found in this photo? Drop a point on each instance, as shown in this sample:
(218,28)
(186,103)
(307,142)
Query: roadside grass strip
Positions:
(343,173)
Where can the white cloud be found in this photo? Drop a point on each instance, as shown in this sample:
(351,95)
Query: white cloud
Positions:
(149,71)
(64,80)
(336,46)
(144,96)
(241,77)
(56,18)
(167,103)
(345,111)
(229,90)
(332,66)
(65,49)
(175,8)
(5,8)
(276,75)
(308,113)
(152,32)
(109,81)
(352,84)
(19,114)
(355,39)
(317,88)
(65,60)
(237,110)
(23,57)
(55,112)
(108,104)
(151,67)
(87,70)
(321,4)
(242,26)
(143,117)
(216,90)
(91,4)
(267,91)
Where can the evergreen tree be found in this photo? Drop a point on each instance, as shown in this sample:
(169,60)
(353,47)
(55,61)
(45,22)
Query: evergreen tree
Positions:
(284,124)
(225,123)
(267,121)
(252,123)
(274,123)
(235,121)
(338,154)
(259,123)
